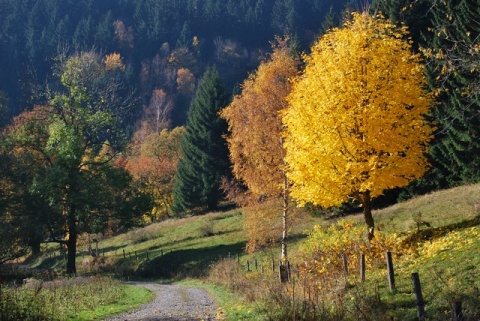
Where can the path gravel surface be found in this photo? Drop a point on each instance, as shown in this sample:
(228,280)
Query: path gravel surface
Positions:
(172,303)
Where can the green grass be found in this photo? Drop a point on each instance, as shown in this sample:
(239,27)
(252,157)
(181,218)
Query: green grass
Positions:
(231,306)
(441,208)
(69,299)
(133,296)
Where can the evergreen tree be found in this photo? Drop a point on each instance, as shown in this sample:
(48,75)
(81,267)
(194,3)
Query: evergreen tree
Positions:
(204,156)
(413,13)
(449,29)
(454,70)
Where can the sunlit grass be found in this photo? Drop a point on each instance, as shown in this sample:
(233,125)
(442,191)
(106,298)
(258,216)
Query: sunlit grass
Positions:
(69,299)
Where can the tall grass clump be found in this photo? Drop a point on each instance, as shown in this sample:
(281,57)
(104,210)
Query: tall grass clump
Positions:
(57,300)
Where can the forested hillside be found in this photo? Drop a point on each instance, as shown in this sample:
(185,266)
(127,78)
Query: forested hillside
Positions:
(166,45)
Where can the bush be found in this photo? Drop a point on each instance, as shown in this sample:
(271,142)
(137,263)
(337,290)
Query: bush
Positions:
(323,250)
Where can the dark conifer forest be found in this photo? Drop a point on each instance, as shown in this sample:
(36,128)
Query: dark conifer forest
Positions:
(164,44)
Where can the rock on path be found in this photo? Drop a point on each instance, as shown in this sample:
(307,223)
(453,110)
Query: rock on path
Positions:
(172,303)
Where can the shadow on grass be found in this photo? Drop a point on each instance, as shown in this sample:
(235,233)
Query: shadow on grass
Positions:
(433,233)
(186,263)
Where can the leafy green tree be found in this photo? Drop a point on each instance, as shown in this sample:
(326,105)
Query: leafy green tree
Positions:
(72,141)
(12,244)
(204,152)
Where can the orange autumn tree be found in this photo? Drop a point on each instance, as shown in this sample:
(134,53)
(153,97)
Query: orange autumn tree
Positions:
(356,122)
(255,140)
(154,164)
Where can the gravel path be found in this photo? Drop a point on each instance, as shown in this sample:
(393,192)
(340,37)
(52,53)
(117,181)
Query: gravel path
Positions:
(172,303)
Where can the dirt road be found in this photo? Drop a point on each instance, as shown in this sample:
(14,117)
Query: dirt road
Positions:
(172,303)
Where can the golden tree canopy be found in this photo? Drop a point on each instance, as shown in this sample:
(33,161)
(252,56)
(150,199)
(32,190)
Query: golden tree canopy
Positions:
(356,121)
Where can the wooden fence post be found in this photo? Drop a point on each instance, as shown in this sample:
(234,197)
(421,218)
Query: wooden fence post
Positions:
(457,311)
(124,254)
(283,269)
(362,267)
(417,288)
(248,266)
(391,274)
(345,264)
(289,271)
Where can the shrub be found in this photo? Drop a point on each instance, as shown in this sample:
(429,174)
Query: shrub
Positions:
(322,251)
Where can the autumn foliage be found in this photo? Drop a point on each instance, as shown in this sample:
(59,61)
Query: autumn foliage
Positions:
(356,123)
(153,163)
(255,125)
(256,145)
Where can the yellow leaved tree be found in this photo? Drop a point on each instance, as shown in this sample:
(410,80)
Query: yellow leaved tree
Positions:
(356,121)
(255,139)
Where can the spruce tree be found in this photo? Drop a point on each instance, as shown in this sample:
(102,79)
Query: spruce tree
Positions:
(455,72)
(449,29)
(204,152)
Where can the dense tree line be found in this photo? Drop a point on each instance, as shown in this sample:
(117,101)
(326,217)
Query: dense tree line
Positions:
(150,35)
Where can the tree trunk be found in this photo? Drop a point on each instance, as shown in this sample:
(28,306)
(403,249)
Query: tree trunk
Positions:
(284,219)
(35,247)
(367,214)
(72,241)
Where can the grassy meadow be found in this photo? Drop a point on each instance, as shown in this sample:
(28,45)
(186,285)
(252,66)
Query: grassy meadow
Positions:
(436,235)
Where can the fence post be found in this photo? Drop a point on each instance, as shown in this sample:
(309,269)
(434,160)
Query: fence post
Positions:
(124,254)
(273,265)
(362,267)
(391,274)
(256,264)
(248,266)
(345,264)
(289,271)
(417,288)
(457,311)
(283,269)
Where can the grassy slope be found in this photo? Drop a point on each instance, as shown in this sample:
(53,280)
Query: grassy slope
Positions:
(186,247)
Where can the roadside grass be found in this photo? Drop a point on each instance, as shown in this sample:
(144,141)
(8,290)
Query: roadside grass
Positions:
(230,305)
(69,299)
(132,297)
